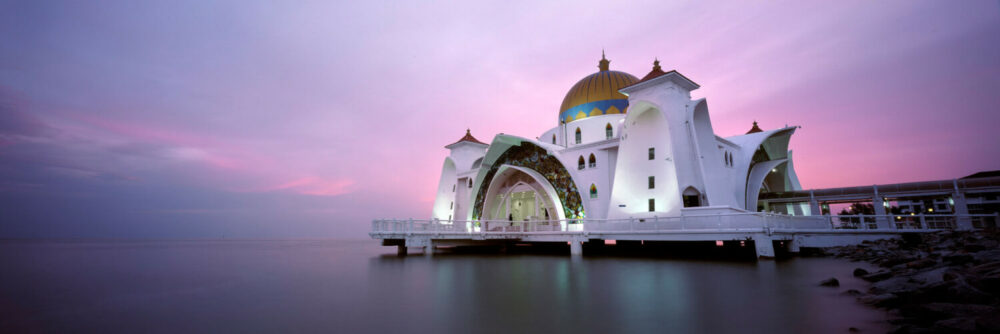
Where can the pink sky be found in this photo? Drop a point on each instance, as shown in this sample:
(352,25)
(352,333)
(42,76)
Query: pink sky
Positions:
(246,119)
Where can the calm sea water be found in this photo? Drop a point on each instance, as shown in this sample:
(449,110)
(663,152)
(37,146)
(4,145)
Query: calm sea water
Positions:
(359,286)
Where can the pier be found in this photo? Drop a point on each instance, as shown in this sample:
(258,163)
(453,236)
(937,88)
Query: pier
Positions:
(763,230)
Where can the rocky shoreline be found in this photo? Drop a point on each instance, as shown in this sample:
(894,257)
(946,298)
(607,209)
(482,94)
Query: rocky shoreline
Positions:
(945,282)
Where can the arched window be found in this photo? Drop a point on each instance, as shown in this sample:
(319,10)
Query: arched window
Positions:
(608,131)
(730,159)
(470,183)
(725,158)
(579,136)
(652,153)
(692,197)
(553,139)
(592,161)
(593,191)
(581,164)
(453,187)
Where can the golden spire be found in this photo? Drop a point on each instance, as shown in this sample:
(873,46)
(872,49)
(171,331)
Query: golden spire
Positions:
(603,64)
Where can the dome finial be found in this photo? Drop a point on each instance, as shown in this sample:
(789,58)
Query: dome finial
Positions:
(604,63)
(656,64)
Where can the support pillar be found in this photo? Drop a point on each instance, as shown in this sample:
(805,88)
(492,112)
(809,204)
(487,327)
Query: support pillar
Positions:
(814,205)
(882,220)
(401,250)
(429,249)
(962,219)
(575,248)
(765,248)
(794,245)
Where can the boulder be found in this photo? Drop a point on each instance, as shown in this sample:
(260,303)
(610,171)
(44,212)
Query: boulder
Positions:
(877,276)
(921,263)
(880,300)
(831,282)
(853,292)
(956,325)
(858,272)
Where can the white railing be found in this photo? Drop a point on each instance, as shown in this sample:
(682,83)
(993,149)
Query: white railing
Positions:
(720,222)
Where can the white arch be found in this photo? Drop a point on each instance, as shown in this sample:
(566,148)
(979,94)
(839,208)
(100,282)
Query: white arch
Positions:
(756,180)
(543,187)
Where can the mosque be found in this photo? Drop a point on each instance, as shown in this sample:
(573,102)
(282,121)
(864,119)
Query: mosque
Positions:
(622,147)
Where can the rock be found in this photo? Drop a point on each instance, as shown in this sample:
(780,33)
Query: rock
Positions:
(895,285)
(858,272)
(877,276)
(881,300)
(950,310)
(832,282)
(931,276)
(853,292)
(989,322)
(853,330)
(956,325)
(921,263)
(958,259)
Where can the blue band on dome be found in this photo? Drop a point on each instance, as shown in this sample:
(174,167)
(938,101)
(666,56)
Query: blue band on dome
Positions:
(603,106)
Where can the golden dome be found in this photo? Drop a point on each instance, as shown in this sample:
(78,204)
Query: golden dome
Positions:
(596,94)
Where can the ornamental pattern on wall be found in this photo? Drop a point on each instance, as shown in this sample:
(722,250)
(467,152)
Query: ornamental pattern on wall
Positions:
(531,156)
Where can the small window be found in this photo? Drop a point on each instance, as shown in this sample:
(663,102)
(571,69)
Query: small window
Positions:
(725,158)
(652,182)
(453,187)
(553,139)
(470,183)
(579,136)
(608,131)
(592,161)
(580,164)
(652,205)
(691,201)
(451,205)
(652,153)
(593,191)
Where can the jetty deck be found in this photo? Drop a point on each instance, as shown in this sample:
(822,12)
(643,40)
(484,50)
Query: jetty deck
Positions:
(765,231)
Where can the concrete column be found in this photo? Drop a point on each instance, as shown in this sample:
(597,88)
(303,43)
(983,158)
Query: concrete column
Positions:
(765,249)
(814,205)
(429,249)
(882,221)
(794,245)
(963,221)
(575,248)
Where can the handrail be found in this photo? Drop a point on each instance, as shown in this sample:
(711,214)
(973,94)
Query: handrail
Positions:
(726,221)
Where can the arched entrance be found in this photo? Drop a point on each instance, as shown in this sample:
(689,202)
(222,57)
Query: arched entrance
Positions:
(518,194)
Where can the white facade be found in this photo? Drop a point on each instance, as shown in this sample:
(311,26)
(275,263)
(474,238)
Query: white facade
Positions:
(656,156)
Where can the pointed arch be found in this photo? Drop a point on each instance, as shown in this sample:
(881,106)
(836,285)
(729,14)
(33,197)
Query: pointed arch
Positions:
(608,131)
(579,136)
(593,191)
(691,197)
(581,164)
(592,161)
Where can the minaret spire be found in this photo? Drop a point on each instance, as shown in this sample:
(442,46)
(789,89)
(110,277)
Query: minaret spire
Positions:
(604,63)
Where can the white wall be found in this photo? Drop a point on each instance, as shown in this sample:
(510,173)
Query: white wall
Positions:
(445,196)
(645,126)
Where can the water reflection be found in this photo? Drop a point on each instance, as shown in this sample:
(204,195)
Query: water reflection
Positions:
(355,287)
(524,292)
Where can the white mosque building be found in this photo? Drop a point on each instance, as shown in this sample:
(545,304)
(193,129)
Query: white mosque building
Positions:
(622,147)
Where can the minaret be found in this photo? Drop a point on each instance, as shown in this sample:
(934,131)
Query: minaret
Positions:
(603,65)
